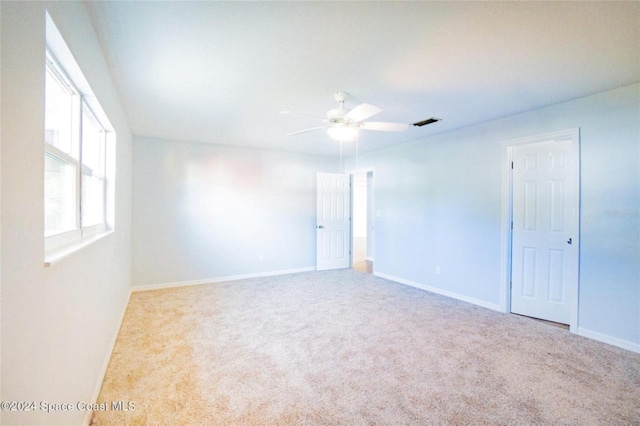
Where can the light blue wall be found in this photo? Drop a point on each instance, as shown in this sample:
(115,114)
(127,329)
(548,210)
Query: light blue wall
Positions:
(204,211)
(439,200)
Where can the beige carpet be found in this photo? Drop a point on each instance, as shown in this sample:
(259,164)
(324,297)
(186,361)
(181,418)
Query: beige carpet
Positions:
(348,348)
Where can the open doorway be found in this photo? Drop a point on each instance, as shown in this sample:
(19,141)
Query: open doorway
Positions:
(362,234)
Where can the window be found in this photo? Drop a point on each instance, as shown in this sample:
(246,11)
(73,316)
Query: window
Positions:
(75,162)
(93,166)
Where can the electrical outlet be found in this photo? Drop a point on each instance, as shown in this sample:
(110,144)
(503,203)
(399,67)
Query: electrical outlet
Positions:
(261,258)
(437,270)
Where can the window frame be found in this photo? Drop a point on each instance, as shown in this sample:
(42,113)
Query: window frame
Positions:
(80,107)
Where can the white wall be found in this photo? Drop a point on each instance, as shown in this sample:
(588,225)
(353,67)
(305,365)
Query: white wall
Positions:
(359,207)
(440,205)
(204,212)
(371,234)
(57,323)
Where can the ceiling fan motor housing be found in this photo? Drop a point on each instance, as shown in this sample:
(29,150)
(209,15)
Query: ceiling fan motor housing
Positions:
(336,115)
(341,96)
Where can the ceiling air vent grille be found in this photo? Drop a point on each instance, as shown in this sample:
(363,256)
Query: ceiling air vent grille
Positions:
(425,122)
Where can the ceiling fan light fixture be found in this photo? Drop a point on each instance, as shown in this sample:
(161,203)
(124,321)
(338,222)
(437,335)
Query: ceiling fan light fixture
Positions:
(342,132)
(343,124)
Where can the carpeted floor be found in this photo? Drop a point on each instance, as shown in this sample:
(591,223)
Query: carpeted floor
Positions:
(348,348)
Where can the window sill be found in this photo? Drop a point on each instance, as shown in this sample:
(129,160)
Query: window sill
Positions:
(59,254)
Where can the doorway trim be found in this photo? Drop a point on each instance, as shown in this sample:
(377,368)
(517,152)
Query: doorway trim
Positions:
(507,216)
(351,174)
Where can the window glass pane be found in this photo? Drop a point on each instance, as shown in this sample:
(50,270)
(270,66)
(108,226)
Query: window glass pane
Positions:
(59,195)
(92,200)
(59,106)
(93,157)
(92,143)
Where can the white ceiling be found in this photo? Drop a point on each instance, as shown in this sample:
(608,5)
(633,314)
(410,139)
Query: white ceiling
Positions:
(221,72)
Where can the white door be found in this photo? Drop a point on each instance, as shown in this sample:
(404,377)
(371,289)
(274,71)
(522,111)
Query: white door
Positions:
(545,230)
(333,221)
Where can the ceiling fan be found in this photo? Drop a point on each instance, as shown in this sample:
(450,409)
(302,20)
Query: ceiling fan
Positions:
(342,124)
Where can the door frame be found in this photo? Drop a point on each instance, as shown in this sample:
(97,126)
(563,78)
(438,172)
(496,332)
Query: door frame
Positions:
(507,217)
(369,194)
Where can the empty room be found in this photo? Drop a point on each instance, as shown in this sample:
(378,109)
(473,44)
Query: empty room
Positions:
(220,212)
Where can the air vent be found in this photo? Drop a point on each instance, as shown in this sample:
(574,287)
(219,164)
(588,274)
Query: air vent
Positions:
(425,122)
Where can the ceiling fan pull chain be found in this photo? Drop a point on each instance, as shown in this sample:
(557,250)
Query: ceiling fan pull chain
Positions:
(357,150)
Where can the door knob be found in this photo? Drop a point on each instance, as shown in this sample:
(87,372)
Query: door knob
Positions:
(569,241)
(320,227)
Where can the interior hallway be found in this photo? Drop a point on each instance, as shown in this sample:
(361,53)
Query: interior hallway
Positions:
(360,262)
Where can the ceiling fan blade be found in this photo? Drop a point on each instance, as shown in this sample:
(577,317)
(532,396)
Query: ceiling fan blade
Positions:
(385,127)
(362,112)
(303,115)
(305,131)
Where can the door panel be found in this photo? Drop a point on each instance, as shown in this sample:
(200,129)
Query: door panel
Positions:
(333,228)
(545,203)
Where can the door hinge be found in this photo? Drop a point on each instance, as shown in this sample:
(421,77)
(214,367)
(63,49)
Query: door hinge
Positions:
(512,165)
(511,225)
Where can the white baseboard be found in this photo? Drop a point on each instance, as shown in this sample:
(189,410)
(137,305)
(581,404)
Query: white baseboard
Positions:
(221,279)
(484,304)
(581,331)
(105,363)
(604,338)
